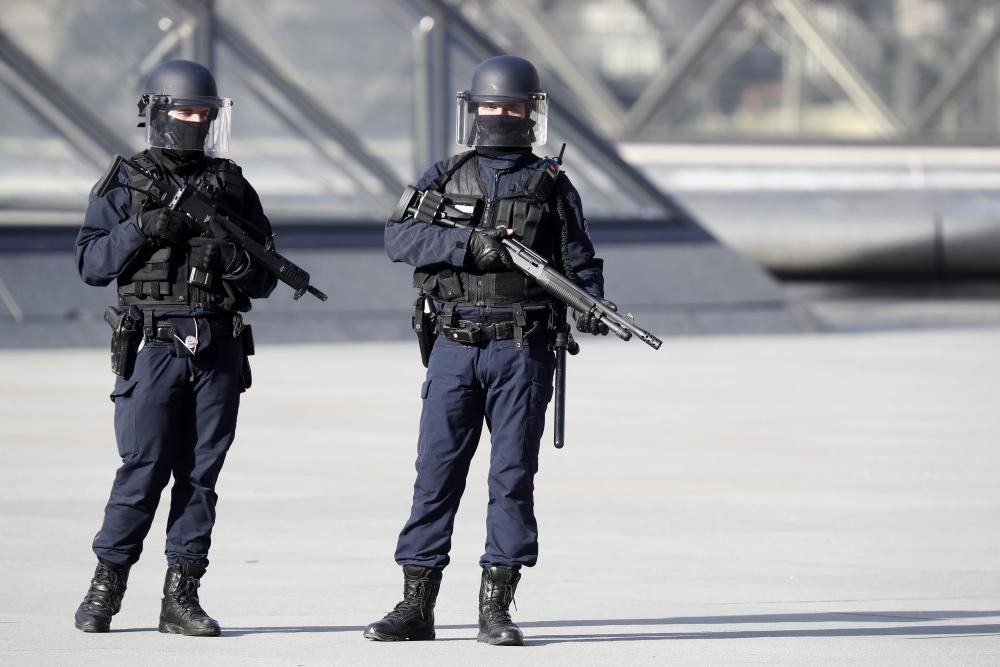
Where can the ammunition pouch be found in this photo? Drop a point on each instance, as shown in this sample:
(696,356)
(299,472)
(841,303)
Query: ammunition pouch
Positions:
(162,276)
(126,334)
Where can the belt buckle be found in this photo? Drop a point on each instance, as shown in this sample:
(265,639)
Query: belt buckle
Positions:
(237,325)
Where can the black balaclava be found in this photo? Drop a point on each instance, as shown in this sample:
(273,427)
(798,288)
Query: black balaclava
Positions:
(504,130)
(185,135)
(189,139)
(502,151)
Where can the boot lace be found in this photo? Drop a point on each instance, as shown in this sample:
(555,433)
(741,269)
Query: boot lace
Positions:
(497,611)
(412,601)
(186,597)
(108,577)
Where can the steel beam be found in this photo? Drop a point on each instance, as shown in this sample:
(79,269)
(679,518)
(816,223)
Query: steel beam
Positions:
(839,67)
(956,76)
(200,43)
(715,67)
(594,95)
(658,91)
(170,43)
(284,81)
(57,106)
(645,8)
(431,92)
(275,102)
(10,303)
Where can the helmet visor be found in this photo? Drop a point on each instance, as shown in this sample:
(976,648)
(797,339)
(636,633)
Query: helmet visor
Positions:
(189,123)
(501,121)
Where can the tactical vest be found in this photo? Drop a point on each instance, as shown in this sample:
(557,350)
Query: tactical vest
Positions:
(533,221)
(158,277)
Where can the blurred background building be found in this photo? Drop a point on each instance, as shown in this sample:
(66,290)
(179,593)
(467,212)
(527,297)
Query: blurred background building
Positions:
(723,148)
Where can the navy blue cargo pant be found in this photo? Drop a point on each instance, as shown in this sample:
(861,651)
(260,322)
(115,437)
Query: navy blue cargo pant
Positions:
(176,415)
(466,384)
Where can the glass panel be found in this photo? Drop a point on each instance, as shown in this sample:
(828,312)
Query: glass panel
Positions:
(37,166)
(341,56)
(758,79)
(93,49)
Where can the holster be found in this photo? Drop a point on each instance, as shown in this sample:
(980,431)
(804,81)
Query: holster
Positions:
(246,336)
(126,334)
(423,326)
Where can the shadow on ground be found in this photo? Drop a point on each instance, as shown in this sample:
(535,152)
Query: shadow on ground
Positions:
(868,617)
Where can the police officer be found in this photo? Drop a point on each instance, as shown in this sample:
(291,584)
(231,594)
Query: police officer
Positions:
(175,413)
(492,359)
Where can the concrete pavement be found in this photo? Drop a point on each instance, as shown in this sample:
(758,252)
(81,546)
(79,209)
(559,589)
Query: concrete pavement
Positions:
(821,500)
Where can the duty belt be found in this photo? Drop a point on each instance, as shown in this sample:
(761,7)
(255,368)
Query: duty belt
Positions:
(473,333)
(222,327)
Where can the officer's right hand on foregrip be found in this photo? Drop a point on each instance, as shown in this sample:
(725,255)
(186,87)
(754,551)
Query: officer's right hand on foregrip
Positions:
(488,253)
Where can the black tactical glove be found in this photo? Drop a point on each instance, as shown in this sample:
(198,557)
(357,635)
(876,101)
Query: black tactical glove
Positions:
(588,323)
(162,224)
(488,253)
(217,256)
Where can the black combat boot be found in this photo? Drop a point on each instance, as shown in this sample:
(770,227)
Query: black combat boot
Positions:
(496,592)
(181,612)
(413,618)
(104,598)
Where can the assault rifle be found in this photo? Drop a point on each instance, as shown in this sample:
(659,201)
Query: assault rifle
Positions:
(202,210)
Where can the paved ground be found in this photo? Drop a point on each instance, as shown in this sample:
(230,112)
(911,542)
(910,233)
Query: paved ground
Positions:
(821,500)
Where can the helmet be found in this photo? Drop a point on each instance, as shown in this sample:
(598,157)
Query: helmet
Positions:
(184,88)
(509,87)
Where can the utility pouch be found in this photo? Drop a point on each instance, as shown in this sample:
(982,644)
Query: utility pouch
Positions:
(470,334)
(423,326)
(126,334)
(201,276)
